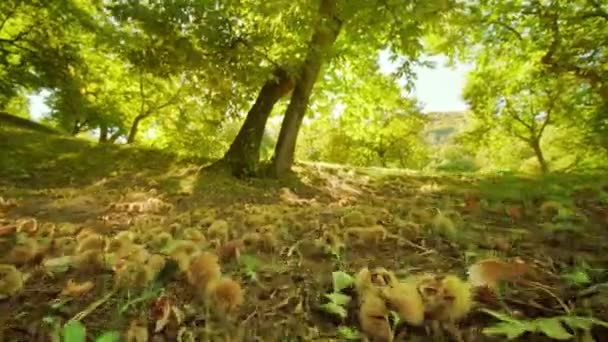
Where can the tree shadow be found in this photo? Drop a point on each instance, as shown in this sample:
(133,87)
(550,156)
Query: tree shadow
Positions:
(219,188)
(33,160)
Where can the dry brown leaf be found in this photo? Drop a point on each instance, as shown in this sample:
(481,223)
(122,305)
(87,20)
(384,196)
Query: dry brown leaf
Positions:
(471,203)
(490,272)
(161,313)
(230,250)
(7,204)
(27,225)
(8,229)
(138,332)
(74,289)
(515,212)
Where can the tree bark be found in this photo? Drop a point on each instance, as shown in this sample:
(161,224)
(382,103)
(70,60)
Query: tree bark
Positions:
(538,152)
(135,128)
(242,157)
(322,40)
(103,134)
(114,137)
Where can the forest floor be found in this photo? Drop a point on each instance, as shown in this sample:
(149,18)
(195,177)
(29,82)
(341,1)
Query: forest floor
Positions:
(70,186)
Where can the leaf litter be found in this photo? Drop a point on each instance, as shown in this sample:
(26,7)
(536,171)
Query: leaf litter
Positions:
(445,259)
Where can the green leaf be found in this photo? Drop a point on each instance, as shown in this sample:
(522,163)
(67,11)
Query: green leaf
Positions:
(348,333)
(334,309)
(510,329)
(553,328)
(578,277)
(501,316)
(395,318)
(341,280)
(109,336)
(338,298)
(249,262)
(584,323)
(74,331)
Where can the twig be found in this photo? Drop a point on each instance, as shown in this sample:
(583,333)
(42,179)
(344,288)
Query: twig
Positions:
(89,309)
(424,250)
(545,289)
(531,304)
(250,316)
(592,289)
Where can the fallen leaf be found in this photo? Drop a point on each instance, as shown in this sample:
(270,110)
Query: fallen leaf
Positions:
(471,202)
(490,272)
(230,250)
(8,229)
(515,212)
(138,332)
(161,313)
(74,289)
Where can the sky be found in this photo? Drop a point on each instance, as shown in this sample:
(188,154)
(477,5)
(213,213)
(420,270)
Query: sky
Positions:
(438,89)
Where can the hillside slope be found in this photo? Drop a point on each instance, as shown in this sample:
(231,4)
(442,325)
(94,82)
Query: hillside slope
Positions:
(9,120)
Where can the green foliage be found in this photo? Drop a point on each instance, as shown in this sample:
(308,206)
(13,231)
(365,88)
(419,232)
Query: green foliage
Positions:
(181,75)
(250,265)
(534,58)
(552,327)
(453,158)
(74,331)
(341,281)
(110,336)
(348,333)
(338,301)
(334,309)
(369,123)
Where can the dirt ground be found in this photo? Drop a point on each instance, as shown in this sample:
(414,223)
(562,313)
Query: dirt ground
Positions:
(73,186)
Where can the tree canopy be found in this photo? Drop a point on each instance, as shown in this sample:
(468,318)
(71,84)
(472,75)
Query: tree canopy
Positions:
(232,81)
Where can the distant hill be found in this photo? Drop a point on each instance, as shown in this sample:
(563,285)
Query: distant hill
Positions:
(443,125)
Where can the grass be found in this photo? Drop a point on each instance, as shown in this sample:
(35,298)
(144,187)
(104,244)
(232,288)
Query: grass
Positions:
(62,180)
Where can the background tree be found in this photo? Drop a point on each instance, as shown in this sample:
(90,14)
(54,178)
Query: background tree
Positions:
(399,26)
(518,99)
(568,38)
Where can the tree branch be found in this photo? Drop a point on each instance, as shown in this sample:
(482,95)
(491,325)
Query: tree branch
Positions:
(169,102)
(244,41)
(550,108)
(141,91)
(599,11)
(516,117)
(549,59)
(507,27)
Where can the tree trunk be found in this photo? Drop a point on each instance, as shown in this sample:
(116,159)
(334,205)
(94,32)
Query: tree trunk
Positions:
(322,40)
(103,134)
(242,157)
(538,152)
(134,128)
(381,157)
(114,137)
